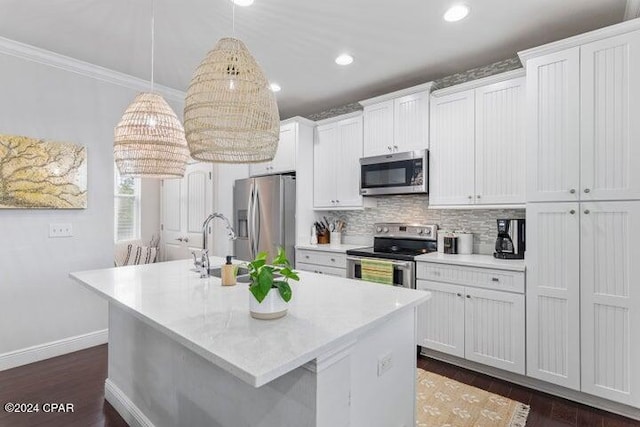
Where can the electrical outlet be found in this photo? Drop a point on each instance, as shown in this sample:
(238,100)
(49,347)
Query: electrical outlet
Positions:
(60,230)
(384,364)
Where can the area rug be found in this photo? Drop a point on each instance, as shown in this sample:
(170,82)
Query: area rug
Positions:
(443,402)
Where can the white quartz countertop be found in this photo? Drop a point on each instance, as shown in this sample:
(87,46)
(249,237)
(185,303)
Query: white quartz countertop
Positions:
(214,321)
(328,248)
(474,260)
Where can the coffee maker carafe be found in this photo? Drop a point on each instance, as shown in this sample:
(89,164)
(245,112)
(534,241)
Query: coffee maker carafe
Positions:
(510,243)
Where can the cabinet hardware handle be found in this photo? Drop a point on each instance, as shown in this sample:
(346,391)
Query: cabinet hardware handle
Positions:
(572,211)
(587,211)
(468,296)
(478,196)
(185,239)
(333,260)
(572,191)
(470,197)
(495,279)
(586,190)
(459,294)
(389,147)
(436,273)
(306,256)
(395,147)
(337,201)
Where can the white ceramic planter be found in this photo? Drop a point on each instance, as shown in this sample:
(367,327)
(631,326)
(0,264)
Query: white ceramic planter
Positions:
(271,307)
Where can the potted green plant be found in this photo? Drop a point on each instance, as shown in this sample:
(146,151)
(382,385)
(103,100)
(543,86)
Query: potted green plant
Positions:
(269,286)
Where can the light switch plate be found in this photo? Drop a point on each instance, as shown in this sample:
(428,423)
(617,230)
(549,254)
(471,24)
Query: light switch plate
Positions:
(384,363)
(61,230)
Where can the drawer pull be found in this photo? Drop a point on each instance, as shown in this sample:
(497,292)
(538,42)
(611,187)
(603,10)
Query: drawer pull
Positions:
(495,279)
(306,256)
(459,294)
(333,260)
(436,273)
(469,296)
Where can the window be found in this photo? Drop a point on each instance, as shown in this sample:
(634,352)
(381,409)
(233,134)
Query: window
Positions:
(127,207)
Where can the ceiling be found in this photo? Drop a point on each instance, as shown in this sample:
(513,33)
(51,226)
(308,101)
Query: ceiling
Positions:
(396,43)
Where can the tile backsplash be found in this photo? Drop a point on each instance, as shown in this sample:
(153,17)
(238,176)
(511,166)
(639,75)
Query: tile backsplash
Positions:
(414,208)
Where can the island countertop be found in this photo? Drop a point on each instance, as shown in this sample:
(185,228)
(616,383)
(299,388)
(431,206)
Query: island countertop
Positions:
(214,322)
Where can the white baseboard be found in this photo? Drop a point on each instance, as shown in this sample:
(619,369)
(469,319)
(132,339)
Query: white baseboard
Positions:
(125,407)
(52,349)
(533,383)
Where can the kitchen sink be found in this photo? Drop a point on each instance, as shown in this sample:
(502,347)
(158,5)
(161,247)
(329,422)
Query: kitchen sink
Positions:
(242,274)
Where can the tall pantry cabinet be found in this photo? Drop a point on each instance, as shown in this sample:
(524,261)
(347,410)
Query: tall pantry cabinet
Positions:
(583,213)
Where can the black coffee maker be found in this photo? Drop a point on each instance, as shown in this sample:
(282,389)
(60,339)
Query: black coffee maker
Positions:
(510,243)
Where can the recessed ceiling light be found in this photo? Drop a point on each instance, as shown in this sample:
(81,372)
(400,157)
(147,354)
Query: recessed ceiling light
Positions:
(275,87)
(456,13)
(243,2)
(344,59)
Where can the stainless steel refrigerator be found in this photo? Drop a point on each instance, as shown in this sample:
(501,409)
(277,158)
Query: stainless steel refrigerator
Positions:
(264,211)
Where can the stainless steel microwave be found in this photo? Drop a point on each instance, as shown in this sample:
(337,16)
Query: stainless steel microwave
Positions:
(397,173)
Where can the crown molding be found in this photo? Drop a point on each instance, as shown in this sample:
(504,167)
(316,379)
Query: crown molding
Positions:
(298,119)
(397,94)
(484,81)
(632,11)
(339,118)
(591,36)
(66,63)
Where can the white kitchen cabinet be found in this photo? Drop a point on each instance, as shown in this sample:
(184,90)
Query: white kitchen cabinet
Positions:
(553,293)
(500,143)
(583,128)
(468,319)
(378,128)
(336,163)
(609,125)
(440,320)
(451,156)
(322,262)
(494,329)
(397,122)
(411,122)
(610,300)
(477,144)
(285,158)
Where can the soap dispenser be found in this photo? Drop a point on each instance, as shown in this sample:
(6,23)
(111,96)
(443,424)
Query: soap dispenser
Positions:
(228,275)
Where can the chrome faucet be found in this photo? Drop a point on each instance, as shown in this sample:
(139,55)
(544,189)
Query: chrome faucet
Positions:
(205,225)
(203,265)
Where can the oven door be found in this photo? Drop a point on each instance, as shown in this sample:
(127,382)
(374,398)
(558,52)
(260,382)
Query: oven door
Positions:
(399,173)
(404,272)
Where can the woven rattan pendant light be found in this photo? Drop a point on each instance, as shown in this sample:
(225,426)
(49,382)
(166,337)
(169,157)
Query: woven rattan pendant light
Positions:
(230,112)
(149,139)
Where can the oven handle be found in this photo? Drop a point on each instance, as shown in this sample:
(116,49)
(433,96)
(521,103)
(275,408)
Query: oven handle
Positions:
(395,263)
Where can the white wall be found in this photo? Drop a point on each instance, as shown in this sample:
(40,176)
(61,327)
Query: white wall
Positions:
(149,209)
(38,302)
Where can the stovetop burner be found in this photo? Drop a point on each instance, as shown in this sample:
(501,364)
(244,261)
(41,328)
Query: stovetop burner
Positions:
(400,241)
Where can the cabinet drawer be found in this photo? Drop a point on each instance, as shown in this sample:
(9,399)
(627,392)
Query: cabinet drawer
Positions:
(501,280)
(321,269)
(329,259)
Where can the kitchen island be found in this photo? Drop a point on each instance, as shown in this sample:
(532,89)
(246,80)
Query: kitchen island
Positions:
(185,351)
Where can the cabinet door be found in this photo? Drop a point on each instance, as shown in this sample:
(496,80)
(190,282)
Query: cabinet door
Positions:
(258,169)
(411,122)
(553,131)
(451,156)
(325,151)
(500,143)
(441,318)
(378,129)
(610,316)
(609,125)
(346,157)
(494,329)
(285,158)
(553,293)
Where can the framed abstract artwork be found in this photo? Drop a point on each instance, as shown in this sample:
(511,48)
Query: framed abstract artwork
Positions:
(39,174)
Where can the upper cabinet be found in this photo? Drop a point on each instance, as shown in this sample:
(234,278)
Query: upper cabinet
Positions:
(583,132)
(477,143)
(397,122)
(336,164)
(285,158)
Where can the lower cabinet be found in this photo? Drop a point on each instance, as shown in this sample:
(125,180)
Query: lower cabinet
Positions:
(481,325)
(322,262)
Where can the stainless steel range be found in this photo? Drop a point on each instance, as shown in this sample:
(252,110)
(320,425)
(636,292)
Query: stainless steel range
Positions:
(399,243)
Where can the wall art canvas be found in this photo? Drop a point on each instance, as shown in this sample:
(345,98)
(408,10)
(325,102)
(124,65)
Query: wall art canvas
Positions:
(39,174)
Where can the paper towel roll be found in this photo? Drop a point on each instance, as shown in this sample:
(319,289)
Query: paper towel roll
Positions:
(465,243)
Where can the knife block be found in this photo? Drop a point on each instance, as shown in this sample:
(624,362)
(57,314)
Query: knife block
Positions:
(323,239)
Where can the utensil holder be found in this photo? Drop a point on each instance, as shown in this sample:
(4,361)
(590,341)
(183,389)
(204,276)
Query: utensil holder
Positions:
(323,239)
(335,239)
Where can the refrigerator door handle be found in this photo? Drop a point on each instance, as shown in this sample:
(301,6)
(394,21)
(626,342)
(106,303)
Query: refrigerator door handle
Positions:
(251,222)
(256,226)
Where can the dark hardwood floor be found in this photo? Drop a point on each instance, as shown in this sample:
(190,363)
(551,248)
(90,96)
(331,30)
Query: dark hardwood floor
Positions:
(546,410)
(78,378)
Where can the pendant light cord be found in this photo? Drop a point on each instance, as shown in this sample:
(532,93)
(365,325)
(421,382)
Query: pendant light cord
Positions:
(153,41)
(233,18)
